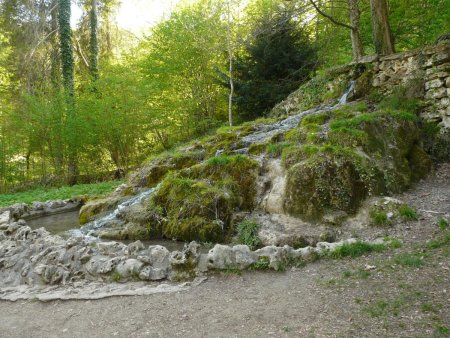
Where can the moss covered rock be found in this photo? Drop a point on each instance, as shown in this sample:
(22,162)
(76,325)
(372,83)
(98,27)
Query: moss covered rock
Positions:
(324,182)
(98,206)
(198,202)
(342,158)
(152,173)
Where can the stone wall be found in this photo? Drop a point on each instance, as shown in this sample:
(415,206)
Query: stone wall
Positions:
(424,71)
(428,67)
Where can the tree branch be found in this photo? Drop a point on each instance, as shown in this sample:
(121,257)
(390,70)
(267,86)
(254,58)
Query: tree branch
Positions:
(333,20)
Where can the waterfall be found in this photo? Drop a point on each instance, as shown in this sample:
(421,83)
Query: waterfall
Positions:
(350,90)
(112,217)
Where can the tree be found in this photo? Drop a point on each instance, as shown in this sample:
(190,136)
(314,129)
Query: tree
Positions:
(65,38)
(181,62)
(274,63)
(382,36)
(354,14)
(94,40)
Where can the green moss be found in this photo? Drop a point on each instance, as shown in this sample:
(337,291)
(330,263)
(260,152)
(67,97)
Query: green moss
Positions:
(276,149)
(256,149)
(195,209)
(198,202)
(331,179)
(315,119)
(237,173)
(402,99)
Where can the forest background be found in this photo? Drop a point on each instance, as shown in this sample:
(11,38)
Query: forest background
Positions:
(91,101)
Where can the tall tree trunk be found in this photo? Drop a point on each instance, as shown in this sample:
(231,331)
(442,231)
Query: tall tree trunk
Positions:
(56,142)
(65,38)
(94,40)
(230,70)
(357,46)
(382,36)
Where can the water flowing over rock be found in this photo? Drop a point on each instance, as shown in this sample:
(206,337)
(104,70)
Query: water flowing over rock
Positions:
(113,219)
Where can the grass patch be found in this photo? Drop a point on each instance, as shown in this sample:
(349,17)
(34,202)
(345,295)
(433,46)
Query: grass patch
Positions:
(355,249)
(275,149)
(358,274)
(65,192)
(409,260)
(408,213)
(441,331)
(247,233)
(439,243)
(261,264)
(442,223)
(379,217)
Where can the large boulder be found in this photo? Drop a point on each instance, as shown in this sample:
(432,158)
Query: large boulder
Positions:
(342,160)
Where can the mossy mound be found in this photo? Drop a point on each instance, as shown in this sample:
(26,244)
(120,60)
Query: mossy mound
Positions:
(152,173)
(96,207)
(340,158)
(325,181)
(198,202)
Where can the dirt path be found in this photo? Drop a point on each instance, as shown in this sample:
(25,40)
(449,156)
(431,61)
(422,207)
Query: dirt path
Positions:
(398,293)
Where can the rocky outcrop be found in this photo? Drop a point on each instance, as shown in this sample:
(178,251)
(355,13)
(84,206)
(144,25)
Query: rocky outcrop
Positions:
(35,257)
(40,209)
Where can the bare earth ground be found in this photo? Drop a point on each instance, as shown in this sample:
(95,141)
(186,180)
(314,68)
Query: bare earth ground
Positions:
(396,297)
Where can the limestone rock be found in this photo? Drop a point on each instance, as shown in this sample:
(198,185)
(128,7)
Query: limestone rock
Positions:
(436,83)
(128,268)
(436,93)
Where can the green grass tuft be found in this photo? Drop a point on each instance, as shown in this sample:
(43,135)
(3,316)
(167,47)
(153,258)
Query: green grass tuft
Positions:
(408,213)
(409,260)
(442,223)
(355,249)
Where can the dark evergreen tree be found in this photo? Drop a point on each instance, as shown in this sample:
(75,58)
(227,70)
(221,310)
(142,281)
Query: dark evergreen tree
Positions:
(273,65)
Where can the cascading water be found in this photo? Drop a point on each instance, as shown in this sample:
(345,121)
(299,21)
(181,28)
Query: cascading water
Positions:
(113,217)
(265,132)
(350,90)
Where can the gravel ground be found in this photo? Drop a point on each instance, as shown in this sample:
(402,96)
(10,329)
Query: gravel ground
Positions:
(402,292)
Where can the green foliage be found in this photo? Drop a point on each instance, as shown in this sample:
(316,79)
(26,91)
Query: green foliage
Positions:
(262,263)
(65,192)
(180,63)
(277,60)
(247,233)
